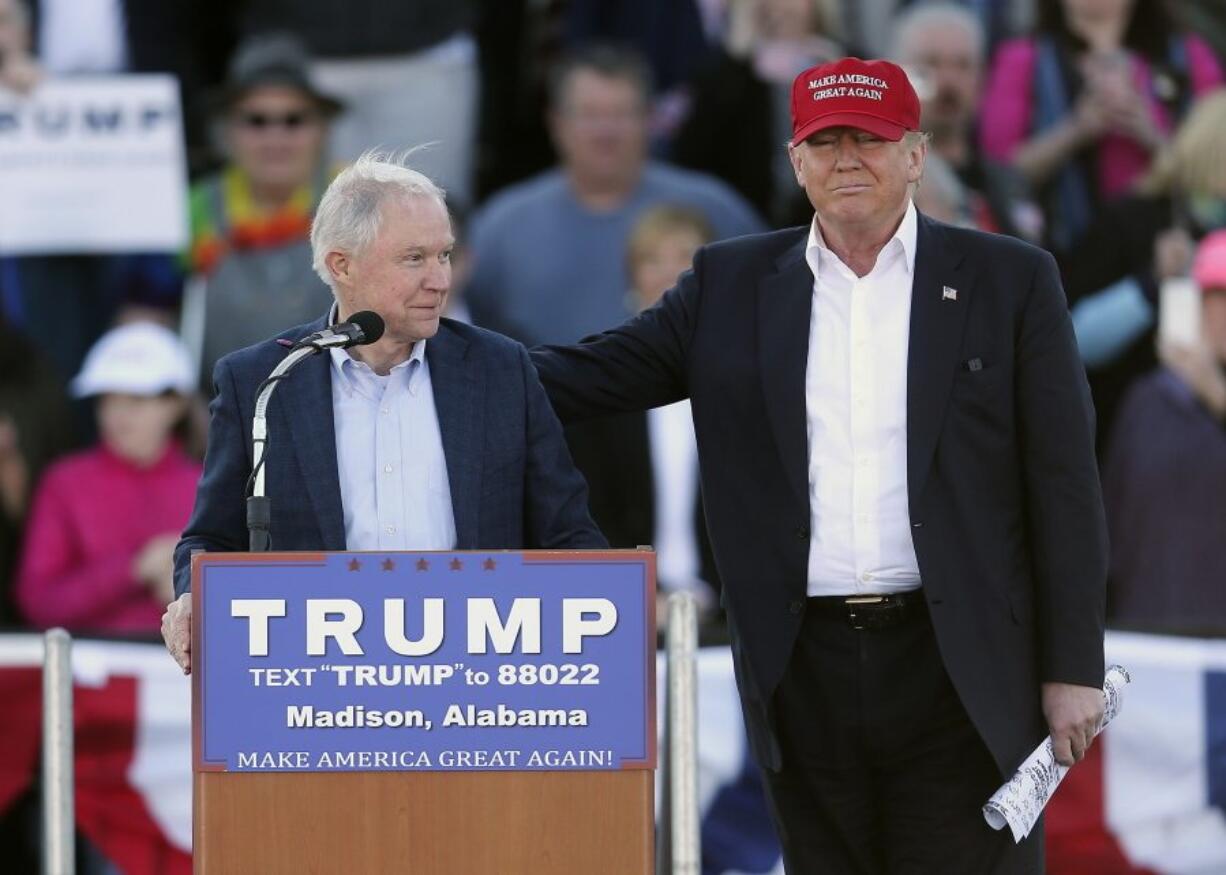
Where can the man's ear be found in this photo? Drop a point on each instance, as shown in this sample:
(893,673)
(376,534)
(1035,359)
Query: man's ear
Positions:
(915,162)
(338,265)
(796,158)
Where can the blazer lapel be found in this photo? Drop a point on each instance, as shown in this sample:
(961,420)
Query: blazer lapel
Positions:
(458,400)
(940,298)
(305,398)
(785,300)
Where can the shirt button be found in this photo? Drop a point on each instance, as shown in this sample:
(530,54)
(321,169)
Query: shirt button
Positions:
(863,462)
(866,577)
(387,469)
(391,530)
(802,533)
(384,410)
(795,606)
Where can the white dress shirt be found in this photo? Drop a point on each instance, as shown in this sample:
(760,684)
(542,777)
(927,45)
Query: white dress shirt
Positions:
(856,411)
(389,453)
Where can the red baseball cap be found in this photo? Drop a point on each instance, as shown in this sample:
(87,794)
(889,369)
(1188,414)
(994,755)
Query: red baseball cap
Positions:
(875,96)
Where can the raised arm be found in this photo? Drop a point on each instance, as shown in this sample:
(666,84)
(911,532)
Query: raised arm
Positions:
(642,363)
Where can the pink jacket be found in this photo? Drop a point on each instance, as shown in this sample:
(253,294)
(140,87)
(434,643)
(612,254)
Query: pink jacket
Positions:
(1005,118)
(92,513)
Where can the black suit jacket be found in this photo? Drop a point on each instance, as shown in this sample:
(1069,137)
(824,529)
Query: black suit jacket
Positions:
(1005,502)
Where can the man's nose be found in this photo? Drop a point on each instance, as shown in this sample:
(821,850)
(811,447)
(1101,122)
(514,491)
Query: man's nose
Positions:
(848,152)
(439,277)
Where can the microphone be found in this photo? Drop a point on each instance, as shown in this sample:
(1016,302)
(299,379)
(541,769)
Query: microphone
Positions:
(362,328)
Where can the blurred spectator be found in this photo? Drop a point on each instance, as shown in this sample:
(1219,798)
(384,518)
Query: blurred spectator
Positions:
(740,117)
(942,45)
(35,427)
(104,523)
(674,37)
(407,72)
(1113,276)
(941,195)
(1166,476)
(250,255)
(642,468)
(1080,107)
(549,253)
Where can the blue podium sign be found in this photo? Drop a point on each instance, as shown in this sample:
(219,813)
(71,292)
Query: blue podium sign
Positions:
(424,661)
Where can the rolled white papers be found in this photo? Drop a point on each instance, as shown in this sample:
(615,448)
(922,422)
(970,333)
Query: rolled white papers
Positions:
(1021,800)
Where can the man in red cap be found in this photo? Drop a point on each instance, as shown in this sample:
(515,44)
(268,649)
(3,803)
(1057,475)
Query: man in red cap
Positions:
(896,446)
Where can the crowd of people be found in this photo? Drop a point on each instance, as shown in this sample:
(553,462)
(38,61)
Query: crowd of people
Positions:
(588,149)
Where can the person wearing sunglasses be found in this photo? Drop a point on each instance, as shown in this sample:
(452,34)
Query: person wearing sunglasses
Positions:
(250,257)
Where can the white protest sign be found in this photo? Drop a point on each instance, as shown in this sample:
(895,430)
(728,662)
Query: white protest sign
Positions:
(93,164)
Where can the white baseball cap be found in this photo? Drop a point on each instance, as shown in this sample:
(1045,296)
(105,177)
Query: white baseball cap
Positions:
(140,358)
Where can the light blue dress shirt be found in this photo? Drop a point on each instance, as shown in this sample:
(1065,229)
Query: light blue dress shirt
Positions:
(389,453)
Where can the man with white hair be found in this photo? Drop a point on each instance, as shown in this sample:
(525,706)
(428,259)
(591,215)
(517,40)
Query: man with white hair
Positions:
(438,436)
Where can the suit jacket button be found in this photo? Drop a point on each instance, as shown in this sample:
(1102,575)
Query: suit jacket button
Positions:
(796,606)
(802,533)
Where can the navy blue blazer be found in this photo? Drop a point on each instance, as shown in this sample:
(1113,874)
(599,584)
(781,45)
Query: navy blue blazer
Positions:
(513,484)
(1005,504)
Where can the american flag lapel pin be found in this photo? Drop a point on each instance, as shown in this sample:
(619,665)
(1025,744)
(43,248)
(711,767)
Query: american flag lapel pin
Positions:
(948,294)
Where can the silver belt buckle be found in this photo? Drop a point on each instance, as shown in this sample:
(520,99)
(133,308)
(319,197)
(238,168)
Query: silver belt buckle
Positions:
(853,602)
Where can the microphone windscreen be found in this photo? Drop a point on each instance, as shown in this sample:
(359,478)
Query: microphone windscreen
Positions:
(371,324)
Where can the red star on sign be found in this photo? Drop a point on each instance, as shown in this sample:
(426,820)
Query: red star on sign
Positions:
(388,565)
(489,564)
(456,564)
(355,565)
(423,564)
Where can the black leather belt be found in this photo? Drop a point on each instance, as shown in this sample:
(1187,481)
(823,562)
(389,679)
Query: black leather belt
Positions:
(869,611)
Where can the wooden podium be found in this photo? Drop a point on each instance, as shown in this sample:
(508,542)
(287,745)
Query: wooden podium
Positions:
(433,823)
(500,822)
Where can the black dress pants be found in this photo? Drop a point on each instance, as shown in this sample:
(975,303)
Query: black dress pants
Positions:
(883,771)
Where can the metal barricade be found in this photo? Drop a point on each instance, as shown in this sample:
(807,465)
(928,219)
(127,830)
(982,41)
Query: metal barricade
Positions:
(59,851)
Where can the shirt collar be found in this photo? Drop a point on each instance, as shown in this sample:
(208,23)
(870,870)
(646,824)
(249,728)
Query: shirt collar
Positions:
(343,362)
(906,235)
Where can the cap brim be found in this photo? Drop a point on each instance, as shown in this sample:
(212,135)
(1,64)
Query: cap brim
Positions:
(221,100)
(883,128)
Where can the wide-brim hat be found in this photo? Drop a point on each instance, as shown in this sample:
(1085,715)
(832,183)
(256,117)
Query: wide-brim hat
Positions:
(270,59)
